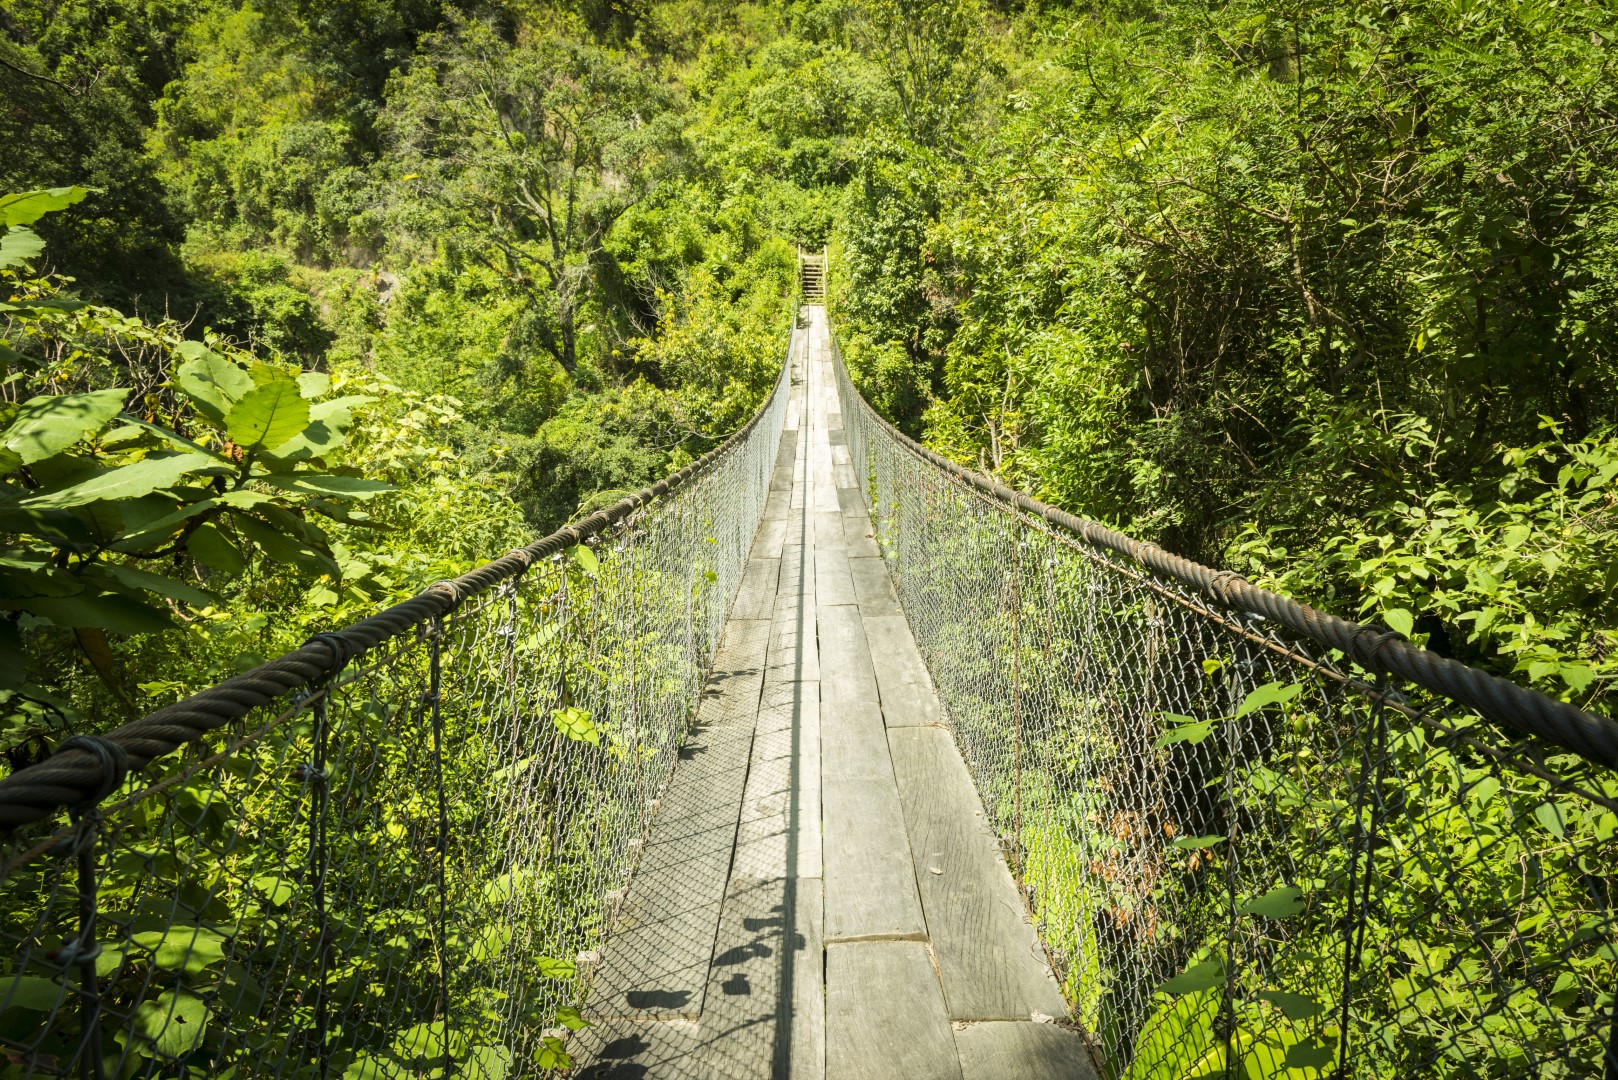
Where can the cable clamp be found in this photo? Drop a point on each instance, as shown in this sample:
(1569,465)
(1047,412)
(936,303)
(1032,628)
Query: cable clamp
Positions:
(112,758)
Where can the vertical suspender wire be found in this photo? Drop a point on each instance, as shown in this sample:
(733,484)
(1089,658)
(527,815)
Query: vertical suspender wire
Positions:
(317,778)
(435,637)
(91,1066)
(1359,888)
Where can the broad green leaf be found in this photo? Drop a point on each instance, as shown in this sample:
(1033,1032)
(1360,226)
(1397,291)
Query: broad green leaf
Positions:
(1399,620)
(1577,676)
(1201,976)
(268,415)
(209,545)
(552,1055)
(287,549)
(313,384)
(174,1023)
(19,245)
(1191,843)
(342,487)
(162,586)
(33,994)
(276,890)
(585,559)
(485,1063)
(1550,815)
(153,473)
(557,969)
(27,207)
(113,612)
(575,723)
(1292,1006)
(190,949)
(1312,1053)
(1186,729)
(213,383)
(571,1018)
(1281,902)
(1268,694)
(179,442)
(45,426)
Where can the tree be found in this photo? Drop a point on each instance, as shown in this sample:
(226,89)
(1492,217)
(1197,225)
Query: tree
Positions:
(522,156)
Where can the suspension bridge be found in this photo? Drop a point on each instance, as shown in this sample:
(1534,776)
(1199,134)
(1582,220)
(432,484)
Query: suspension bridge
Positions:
(825,757)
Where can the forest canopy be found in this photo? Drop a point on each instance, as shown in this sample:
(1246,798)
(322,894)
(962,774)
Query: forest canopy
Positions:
(315,301)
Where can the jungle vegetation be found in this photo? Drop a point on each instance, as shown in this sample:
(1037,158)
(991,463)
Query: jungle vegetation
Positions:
(307,303)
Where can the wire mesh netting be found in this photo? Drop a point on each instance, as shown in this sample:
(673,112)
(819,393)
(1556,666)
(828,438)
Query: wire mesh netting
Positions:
(407,870)
(1246,857)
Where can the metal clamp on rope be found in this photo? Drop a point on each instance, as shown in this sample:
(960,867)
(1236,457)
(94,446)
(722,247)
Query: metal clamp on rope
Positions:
(342,651)
(1369,655)
(112,759)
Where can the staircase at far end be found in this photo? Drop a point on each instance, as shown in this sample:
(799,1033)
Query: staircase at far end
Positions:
(812,276)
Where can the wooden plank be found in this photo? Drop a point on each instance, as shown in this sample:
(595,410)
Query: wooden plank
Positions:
(656,957)
(906,691)
(825,498)
(989,958)
(873,588)
(777,504)
(829,529)
(779,832)
(845,477)
(845,657)
(765,1015)
(858,536)
(794,654)
(870,876)
(781,477)
(755,597)
(1025,1050)
(834,581)
(770,538)
(797,576)
(884,1014)
(851,500)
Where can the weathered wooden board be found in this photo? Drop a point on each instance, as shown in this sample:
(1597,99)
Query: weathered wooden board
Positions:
(765,1015)
(989,958)
(794,654)
(845,657)
(755,597)
(845,477)
(873,588)
(884,1015)
(858,536)
(779,832)
(906,691)
(770,538)
(834,581)
(870,875)
(1025,1050)
(828,529)
(777,504)
(656,957)
(797,577)
(851,500)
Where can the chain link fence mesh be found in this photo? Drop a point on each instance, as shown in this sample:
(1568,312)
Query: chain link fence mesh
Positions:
(408,869)
(1246,856)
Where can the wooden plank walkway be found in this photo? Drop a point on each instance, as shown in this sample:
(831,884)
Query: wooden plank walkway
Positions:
(821,896)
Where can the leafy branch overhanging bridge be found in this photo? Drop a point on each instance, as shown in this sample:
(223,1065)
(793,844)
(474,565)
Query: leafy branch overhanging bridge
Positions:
(825,757)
